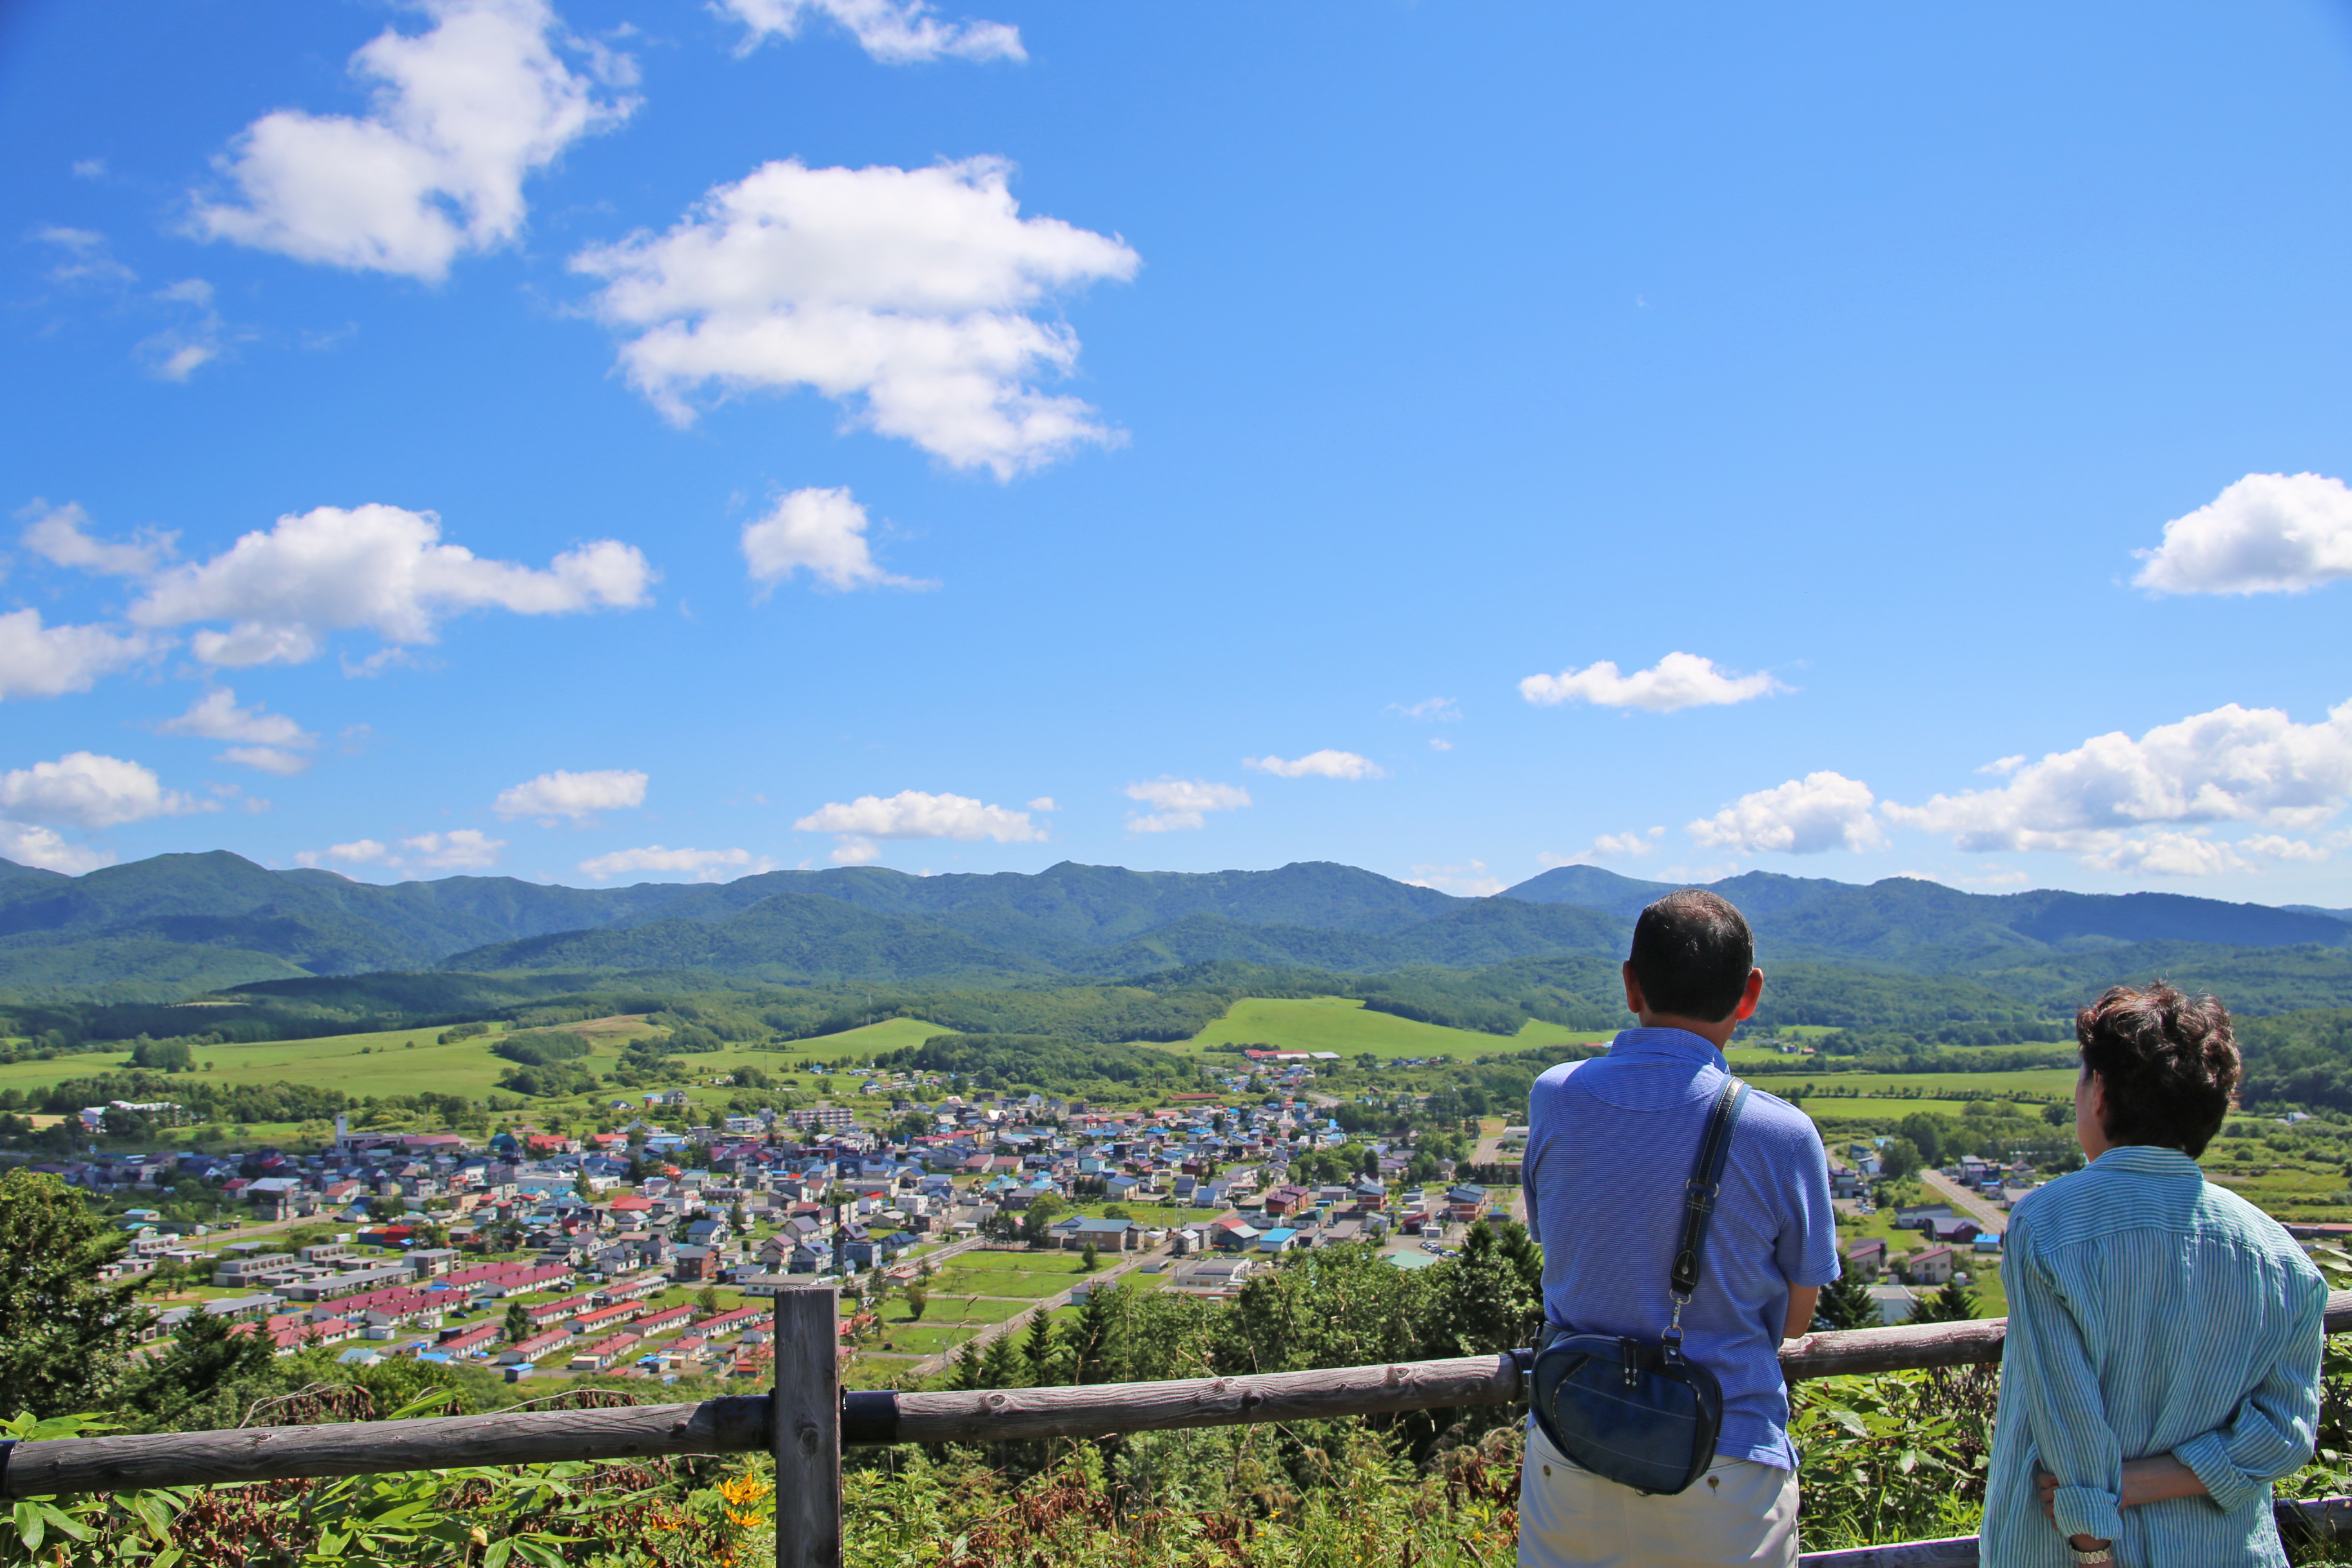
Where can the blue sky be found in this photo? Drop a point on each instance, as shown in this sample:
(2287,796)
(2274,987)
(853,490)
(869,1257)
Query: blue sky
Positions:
(637,438)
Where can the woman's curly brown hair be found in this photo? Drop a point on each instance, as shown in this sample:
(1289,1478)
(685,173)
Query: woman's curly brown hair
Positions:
(2170,1063)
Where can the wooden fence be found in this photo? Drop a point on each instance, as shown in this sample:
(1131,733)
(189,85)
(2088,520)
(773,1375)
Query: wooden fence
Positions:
(808,1419)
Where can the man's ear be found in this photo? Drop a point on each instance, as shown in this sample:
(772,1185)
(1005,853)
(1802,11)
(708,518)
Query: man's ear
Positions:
(1749,996)
(1634,1003)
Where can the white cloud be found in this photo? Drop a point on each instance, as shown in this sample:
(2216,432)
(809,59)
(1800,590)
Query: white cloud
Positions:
(905,292)
(275,742)
(2003,767)
(461,115)
(852,850)
(824,531)
(215,716)
(2277,847)
(912,814)
(1179,804)
(1323,764)
(359,852)
(266,759)
(1803,816)
(58,534)
(465,849)
(1677,680)
(198,333)
(1630,845)
(2267,534)
(86,790)
(30,845)
(702,865)
(89,259)
(1044,803)
(90,169)
(1439,744)
(177,352)
(577,797)
(1470,879)
(2168,854)
(2098,800)
(379,567)
(47,661)
(1430,711)
(895,32)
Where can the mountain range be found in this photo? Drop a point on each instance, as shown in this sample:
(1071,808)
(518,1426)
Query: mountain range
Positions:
(200,922)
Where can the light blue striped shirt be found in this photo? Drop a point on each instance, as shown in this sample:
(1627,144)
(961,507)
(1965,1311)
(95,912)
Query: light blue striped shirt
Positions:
(2150,1312)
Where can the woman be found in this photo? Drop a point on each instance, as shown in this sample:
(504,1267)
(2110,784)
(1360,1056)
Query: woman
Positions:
(2162,1366)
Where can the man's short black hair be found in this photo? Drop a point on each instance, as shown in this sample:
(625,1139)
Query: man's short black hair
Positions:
(2169,1062)
(1692,955)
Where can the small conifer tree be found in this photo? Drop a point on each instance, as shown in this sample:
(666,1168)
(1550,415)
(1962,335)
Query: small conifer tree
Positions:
(1955,1303)
(1845,1303)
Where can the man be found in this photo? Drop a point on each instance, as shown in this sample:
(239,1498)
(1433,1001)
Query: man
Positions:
(1610,1145)
(2165,1335)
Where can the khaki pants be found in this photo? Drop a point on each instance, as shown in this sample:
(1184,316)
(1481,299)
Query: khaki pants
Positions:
(1739,1512)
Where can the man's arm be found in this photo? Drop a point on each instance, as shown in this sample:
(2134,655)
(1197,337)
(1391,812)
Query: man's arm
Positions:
(2274,1427)
(1807,1252)
(2046,1369)
(2158,1480)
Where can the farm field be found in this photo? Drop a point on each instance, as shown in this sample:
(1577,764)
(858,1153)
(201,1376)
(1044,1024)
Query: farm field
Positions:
(957,1307)
(1935,1085)
(411,1061)
(1341,1024)
(890,1035)
(396,1061)
(959,1283)
(926,1338)
(2285,1192)
(1887,1108)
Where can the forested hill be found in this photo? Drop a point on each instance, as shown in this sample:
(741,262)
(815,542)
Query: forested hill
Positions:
(192,922)
(1903,915)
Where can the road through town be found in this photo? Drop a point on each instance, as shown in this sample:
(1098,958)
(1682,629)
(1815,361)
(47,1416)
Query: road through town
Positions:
(1986,1214)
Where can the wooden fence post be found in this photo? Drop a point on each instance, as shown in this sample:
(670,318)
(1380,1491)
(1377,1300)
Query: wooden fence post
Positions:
(806,1432)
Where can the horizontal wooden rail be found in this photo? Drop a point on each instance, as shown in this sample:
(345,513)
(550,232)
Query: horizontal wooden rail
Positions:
(742,1425)
(1096,1409)
(367,1447)
(2320,1518)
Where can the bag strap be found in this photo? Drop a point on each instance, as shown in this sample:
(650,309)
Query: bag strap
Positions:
(1699,1194)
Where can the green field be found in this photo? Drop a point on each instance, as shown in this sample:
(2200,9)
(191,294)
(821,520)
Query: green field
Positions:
(1001,1262)
(890,1035)
(947,1307)
(958,1283)
(398,1061)
(410,1061)
(2285,1190)
(1874,1108)
(1932,1084)
(925,1338)
(1341,1024)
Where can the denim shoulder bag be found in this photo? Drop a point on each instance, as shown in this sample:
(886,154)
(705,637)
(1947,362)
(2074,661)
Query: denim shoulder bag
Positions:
(1643,1414)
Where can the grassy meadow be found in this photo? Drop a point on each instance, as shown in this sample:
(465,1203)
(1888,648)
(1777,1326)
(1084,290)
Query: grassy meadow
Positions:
(1341,1024)
(413,1061)
(2046,1081)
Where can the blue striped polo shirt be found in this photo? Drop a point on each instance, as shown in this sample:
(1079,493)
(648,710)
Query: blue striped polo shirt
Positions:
(1610,1144)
